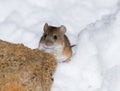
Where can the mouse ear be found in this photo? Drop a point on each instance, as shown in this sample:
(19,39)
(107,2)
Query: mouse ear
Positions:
(46,27)
(62,28)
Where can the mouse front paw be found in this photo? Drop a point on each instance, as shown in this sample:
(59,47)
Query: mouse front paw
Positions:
(67,60)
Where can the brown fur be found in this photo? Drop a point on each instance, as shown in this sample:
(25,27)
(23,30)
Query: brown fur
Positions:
(67,49)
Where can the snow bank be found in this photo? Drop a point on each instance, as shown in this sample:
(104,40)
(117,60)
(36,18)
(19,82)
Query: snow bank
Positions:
(112,79)
(98,51)
(92,24)
(30,16)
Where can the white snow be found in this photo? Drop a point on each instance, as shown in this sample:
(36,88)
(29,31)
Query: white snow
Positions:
(93,25)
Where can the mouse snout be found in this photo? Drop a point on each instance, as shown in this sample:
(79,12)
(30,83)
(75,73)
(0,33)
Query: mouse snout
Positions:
(48,43)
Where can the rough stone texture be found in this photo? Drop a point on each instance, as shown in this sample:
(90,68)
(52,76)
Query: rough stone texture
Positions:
(24,69)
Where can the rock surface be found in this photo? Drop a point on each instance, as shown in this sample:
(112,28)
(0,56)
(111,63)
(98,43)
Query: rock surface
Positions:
(24,69)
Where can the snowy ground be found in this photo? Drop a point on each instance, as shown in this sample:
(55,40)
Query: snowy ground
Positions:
(94,25)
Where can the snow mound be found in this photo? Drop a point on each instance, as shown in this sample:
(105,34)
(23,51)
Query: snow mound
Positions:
(91,24)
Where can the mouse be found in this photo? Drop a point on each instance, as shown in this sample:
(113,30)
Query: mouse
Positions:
(55,41)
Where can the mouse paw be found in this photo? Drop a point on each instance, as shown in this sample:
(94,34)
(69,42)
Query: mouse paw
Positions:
(67,60)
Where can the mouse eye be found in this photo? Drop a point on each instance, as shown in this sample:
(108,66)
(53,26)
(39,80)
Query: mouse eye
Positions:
(45,35)
(55,37)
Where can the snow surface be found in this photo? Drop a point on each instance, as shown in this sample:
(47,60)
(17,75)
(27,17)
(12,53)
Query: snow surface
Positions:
(93,25)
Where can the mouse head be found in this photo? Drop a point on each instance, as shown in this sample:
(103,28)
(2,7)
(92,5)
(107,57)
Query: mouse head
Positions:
(53,36)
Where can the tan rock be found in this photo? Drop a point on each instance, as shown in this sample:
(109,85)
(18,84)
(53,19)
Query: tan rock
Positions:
(24,69)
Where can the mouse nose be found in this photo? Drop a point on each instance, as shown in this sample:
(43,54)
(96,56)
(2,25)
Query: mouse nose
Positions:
(48,43)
